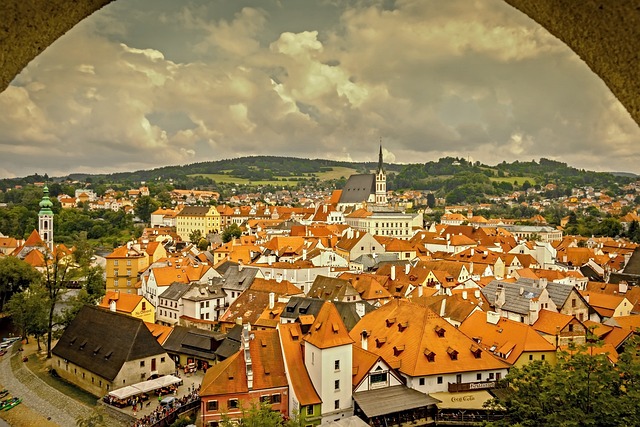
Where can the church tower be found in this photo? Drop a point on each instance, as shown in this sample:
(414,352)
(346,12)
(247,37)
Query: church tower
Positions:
(381,182)
(45,219)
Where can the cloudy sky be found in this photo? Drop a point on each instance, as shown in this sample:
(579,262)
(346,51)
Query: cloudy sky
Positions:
(147,83)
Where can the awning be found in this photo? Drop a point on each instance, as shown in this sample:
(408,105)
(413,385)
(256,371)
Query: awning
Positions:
(389,400)
(145,386)
(462,400)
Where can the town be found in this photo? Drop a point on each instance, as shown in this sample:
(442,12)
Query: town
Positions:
(347,308)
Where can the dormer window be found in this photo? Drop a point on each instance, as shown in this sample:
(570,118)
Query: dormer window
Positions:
(390,321)
(402,326)
(380,341)
(476,351)
(453,354)
(439,330)
(430,355)
(398,349)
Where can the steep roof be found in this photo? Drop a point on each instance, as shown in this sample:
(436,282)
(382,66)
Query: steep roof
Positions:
(301,385)
(408,335)
(194,342)
(125,303)
(328,330)
(515,300)
(358,188)
(101,341)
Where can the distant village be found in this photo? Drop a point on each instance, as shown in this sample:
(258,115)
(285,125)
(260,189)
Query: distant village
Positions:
(347,309)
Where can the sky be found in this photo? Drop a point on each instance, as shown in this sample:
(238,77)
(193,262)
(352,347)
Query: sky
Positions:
(147,83)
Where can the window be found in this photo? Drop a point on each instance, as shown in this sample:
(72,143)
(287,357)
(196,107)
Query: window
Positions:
(336,385)
(275,398)
(142,375)
(162,360)
(310,410)
(479,377)
(531,357)
(421,381)
(115,262)
(379,378)
(459,378)
(570,328)
(542,357)
(336,365)
(115,283)
(439,380)
(573,303)
(336,404)
(232,404)
(212,405)
(265,399)
(491,375)
(144,305)
(142,363)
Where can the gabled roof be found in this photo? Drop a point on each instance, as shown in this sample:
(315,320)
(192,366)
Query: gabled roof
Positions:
(408,335)
(330,288)
(358,188)
(301,385)
(550,322)
(125,303)
(328,330)
(302,306)
(195,342)
(515,300)
(101,341)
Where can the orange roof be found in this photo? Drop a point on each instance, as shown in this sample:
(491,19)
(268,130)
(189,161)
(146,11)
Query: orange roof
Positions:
(408,335)
(34,239)
(328,330)
(508,338)
(363,361)
(291,339)
(226,377)
(160,332)
(125,303)
(549,321)
(35,258)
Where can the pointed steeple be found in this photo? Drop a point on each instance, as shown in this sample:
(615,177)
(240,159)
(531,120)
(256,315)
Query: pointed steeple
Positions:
(45,219)
(380,165)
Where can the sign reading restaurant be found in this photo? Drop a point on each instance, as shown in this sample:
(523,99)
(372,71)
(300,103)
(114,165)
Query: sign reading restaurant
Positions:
(455,387)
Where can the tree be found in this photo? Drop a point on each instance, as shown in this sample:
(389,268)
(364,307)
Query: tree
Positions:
(231,232)
(195,236)
(29,313)
(55,274)
(431,200)
(145,206)
(257,415)
(15,276)
(583,389)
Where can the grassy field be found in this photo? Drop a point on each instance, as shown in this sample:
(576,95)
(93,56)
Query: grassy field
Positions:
(289,181)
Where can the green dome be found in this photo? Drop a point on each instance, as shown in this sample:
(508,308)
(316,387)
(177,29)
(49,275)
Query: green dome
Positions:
(45,203)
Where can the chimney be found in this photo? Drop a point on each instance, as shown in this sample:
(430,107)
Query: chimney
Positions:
(407,267)
(246,338)
(304,254)
(272,300)
(393,272)
(419,290)
(542,283)
(476,293)
(240,265)
(472,252)
(360,309)
(443,307)
(493,317)
(500,296)
(112,305)
(238,320)
(521,290)
(623,287)
(464,295)
(363,342)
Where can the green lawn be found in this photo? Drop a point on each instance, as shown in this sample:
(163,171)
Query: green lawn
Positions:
(289,181)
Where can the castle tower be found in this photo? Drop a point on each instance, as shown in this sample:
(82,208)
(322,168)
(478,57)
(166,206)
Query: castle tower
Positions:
(45,219)
(381,182)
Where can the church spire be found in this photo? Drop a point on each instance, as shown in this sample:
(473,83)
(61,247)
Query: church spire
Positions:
(381,181)
(45,219)
(380,165)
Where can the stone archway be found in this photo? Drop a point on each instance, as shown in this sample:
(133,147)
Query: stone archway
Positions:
(605,34)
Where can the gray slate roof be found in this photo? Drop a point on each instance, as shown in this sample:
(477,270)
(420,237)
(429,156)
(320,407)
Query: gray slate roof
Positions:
(301,305)
(330,288)
(348,311)
(370,262)
(231,343)
(101,341)
(514,301)
(358,188)
(194,342)
(175,291)
(234,278)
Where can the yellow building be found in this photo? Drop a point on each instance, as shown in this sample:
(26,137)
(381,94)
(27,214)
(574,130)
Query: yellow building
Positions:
(123,266)
(130,304)
(206,219)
